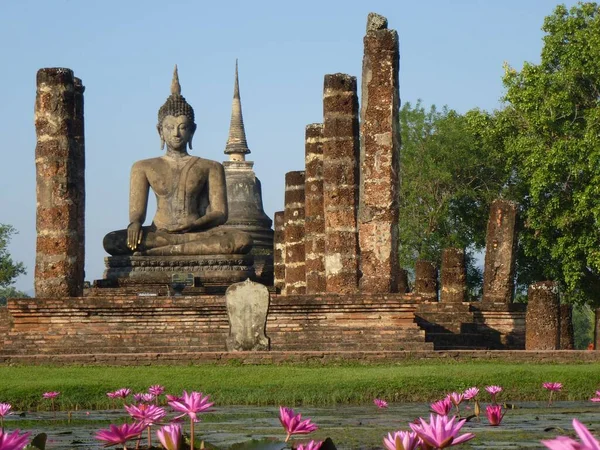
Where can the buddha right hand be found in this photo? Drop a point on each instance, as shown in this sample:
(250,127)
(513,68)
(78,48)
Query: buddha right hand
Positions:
(134,235)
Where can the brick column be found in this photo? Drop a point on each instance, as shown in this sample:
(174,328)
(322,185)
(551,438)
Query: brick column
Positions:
(59,178)
(379,152)
(402,281)
(340,182)
(426,280)
(295,274)
(542,318)
(567,337)
(454,276)
(314,239)
(279,251)
(500,252)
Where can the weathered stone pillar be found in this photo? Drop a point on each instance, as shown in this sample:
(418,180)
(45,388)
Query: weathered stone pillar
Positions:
(426,280)
(543,316)
(454,276)
(567,337)
(295,273)
(60,190)
(279,251)
(379,152)
(314,239)
(402,281)
(500,250)
(340,182)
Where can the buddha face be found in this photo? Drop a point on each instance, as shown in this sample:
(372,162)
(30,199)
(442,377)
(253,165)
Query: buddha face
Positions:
(177,132)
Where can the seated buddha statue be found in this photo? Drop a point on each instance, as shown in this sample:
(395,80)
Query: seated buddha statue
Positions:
(191,196)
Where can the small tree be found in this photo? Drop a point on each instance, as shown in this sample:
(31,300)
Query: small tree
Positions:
(448,178)
(9,270)
(555,152)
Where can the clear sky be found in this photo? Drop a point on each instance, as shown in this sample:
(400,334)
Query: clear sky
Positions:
(452,53)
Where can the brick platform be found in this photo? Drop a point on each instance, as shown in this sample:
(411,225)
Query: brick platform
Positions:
(130,324)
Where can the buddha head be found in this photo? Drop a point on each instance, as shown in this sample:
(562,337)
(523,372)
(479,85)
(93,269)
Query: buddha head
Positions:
(176,124)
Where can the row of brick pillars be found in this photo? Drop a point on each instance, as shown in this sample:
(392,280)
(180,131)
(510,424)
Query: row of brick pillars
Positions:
(499,268)
(351,185)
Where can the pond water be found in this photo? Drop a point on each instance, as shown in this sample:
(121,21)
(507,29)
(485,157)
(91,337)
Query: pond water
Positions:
(350,427)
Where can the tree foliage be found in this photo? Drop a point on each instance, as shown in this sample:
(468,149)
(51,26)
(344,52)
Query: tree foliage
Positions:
(553,147)
(449,175)
(9,270)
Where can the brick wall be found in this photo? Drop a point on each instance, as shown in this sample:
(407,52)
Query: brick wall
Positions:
(131,324)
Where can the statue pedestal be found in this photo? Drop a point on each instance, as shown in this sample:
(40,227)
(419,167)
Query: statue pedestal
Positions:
(221,270)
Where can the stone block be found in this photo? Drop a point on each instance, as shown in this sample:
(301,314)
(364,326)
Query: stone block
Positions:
(453,276)
(567,337)
(542,330)
(500,253)
(247,307)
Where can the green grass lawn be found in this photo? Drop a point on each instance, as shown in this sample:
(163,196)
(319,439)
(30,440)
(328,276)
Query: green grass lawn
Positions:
(86,387)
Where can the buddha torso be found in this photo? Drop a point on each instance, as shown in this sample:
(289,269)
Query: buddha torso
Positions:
(180,187)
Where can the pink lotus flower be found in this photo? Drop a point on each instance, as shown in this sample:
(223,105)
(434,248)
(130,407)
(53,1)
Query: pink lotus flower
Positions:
(122,393)
(51,394)
(13,441)
(401,440)
(312,445)
(191,404)
(380,403)
(471,393)
(293,423)
(156,390)
(456,398)
(588,442)
(170,436)
(494,414)
(441,432)
(173,398)
(5,409)
(595,399)
(442,407)
(116,435)
(552,387)
(143,398)
(555,387)
(146,414)
(493,391)
(112,395)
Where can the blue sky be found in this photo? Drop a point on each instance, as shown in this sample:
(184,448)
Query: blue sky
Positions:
(124,51)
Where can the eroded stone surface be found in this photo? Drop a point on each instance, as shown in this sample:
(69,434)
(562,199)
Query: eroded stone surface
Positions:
(500,252)
(295,271)
(543,317)
(247,307)
(454,276)
(380,144)
(60,164)
(340,182)
(426,280)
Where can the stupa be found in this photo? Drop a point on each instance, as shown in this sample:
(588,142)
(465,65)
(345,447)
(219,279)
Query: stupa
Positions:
(244,193)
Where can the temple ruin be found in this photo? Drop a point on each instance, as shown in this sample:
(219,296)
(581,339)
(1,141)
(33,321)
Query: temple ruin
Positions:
(329,264)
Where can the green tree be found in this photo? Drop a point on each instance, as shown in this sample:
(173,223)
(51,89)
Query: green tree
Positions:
(553,148)
(449,174)
(9,270)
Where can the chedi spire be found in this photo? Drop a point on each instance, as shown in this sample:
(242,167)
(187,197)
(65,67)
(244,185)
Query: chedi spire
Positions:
(236,147)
